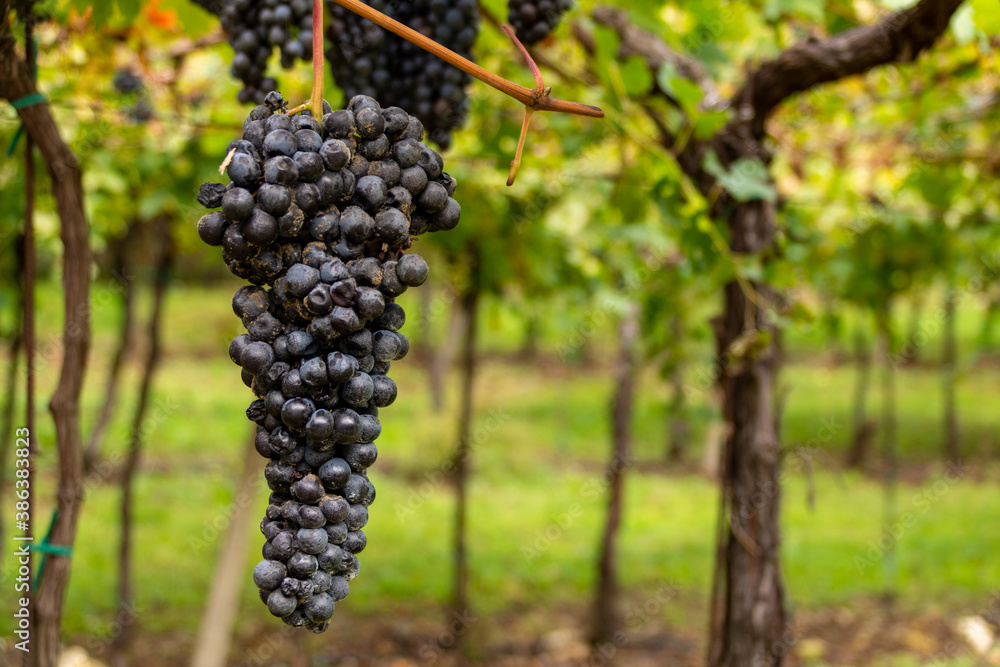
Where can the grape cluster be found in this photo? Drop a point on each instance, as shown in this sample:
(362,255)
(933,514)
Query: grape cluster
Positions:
(533,20)
(317,218)
(212,6)
(255,29)
(133,89)
(125,81)
(367,60)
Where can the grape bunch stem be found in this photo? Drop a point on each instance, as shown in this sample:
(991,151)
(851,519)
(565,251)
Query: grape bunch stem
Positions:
(315,102)
(533,99)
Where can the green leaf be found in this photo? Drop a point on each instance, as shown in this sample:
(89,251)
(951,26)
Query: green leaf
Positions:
(938,186)
(801,313)
(986,16)
(607,43)
(811,9)
(665,75)
(154,203)
(82,6)
(707,124)
(636,76)
(687,93)
(746,179)
(129,9)
(607,47)
(104,10)
(195,19)
(631,198)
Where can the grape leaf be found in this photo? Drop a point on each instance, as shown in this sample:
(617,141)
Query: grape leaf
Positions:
(746,179)
(707,124)
(636,76)
(986,16)
(687,93)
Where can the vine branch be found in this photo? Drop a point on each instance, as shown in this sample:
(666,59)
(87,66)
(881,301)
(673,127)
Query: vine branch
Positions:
(899,37)
(515,165)
(17,82)
(532,98)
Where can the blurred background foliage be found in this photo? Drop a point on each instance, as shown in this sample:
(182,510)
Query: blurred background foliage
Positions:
(888,202)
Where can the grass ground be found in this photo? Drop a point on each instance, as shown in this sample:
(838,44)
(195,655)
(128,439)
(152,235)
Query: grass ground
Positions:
(537,500)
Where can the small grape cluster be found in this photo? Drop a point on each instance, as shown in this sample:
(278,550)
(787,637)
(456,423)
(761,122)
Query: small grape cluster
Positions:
(255,29)
(133,89)
(533,20)
(317,218)
(126,82)
(367,60)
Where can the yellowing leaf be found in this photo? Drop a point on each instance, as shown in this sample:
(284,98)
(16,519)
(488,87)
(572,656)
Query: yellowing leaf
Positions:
(986,16)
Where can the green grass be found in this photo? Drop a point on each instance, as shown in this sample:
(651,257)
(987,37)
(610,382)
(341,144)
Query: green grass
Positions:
(537,495)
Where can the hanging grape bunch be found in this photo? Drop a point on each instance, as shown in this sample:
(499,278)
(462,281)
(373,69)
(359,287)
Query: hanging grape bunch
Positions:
(255,29)
(318,217)
(367,60)
(533,20)
(133,91)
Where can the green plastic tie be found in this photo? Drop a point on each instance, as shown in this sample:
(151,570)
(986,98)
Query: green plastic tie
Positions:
(17,138)
(29,101)
(52,549)
(46,548)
